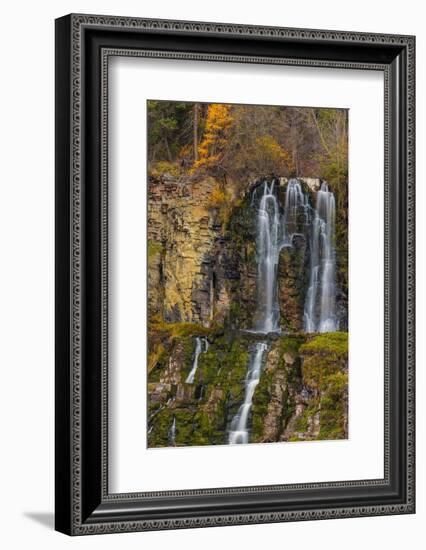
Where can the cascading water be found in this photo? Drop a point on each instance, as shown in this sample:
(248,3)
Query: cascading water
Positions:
(172,432)
(239,425)
(199,343)
(269,240)
(276,230)
(320,305)
(296,212)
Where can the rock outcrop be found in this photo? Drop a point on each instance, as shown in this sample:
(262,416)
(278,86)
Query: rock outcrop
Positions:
(180,240)
(301,396)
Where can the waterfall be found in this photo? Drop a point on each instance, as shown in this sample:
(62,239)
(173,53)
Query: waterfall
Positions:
(269,241)
(172,432)
(239,425)
(276,230)
(268,248)
(296,212)
(320,305)
(198,350)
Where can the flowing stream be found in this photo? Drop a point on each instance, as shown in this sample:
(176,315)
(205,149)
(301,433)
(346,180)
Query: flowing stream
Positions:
(172,432)
(239,425)
(199,343)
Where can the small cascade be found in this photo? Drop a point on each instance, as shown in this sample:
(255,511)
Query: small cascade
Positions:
(296,212)
(172,433)
(268,247)
(320,305)
(239,425)
(201,346)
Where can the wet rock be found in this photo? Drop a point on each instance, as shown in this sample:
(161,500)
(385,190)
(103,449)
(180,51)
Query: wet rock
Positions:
(292,284)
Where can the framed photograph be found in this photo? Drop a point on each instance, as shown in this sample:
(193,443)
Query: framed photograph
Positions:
(234,274)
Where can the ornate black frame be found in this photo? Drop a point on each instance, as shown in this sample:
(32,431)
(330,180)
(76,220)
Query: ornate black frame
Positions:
(83,46)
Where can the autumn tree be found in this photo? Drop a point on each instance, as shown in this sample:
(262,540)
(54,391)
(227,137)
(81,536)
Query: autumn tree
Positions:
(256,143)
(213,145)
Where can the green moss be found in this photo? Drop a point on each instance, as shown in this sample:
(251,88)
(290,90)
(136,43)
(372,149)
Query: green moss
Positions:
(331,342)
(324,356)
(288,375)
(164,339)
(177,330)
(334,407)
(291,344)
(319,363)
(324,371)
(261,400)
(154,248)
(302,423)
(159,435)
(221,372)
(184,425)
(210,428)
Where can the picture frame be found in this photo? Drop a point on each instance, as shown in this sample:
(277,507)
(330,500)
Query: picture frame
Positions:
(84,44)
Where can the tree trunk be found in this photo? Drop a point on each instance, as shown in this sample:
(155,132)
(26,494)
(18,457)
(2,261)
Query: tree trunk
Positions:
(169,153)
(195,130)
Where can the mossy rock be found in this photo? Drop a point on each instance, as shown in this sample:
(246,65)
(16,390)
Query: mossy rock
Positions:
(335,343)
(204,412)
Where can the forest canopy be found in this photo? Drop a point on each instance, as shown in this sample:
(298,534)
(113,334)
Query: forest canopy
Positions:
(242,142)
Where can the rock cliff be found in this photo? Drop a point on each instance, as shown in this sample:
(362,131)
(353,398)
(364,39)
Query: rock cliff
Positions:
(203,269)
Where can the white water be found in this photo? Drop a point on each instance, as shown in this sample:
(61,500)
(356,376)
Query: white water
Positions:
(320,305)
(199,343)
(239,425)
(275,231)
(269,240)
(296,212)
(172,432)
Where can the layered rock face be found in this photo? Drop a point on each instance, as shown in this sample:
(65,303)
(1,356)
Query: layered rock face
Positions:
(302,394)
(202,270)
(180,240)
(198,270)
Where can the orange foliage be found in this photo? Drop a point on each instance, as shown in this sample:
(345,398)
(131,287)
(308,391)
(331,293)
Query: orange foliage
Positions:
(212,146)
(269,154)
(217,197)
